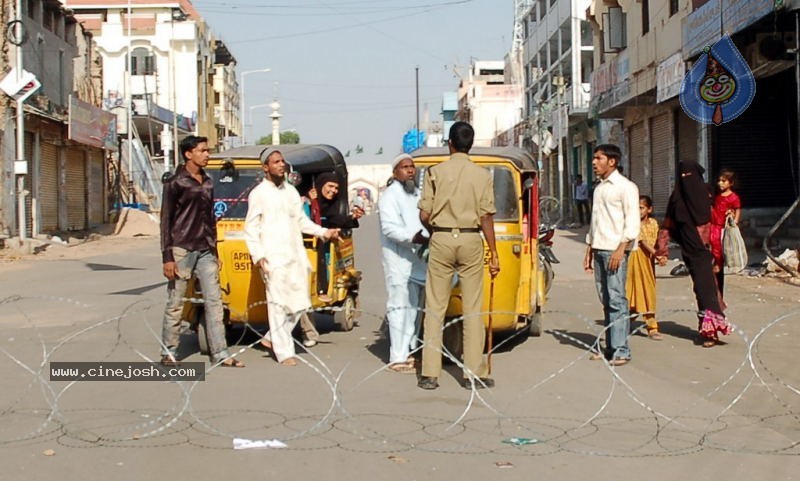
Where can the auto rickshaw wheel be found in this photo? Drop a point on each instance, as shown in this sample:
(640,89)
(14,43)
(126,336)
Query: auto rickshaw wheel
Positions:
(535,323)
(345,317)
(202,336)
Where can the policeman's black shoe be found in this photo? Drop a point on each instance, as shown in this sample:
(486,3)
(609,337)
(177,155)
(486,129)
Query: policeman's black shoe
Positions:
(480,383)
(428,383)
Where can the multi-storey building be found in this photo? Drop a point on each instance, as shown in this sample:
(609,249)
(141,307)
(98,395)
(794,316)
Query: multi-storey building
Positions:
(488,101)
(64,175)
(226,97)
(643,49)
(158,78)
(557,65)
(639,68)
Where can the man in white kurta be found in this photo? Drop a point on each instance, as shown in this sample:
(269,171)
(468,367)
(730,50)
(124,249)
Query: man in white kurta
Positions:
(402,234)
(274,229)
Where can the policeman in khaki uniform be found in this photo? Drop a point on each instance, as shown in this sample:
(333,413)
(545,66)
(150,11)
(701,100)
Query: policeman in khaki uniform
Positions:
(457,204)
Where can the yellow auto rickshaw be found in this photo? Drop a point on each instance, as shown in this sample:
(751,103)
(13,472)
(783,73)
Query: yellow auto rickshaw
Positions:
(519,292)
(235,173)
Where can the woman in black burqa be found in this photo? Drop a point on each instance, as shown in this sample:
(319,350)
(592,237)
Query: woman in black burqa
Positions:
(325,210)
(687,219)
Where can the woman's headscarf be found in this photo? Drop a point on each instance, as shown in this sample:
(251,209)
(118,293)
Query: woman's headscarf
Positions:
(320,181)
(326,177)
(690,201)
(333,213)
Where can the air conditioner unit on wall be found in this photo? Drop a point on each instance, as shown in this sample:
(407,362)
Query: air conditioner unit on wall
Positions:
(769,47)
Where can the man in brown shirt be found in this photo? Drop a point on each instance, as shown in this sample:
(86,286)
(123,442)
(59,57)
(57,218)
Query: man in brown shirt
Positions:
(189,247)
(457,204)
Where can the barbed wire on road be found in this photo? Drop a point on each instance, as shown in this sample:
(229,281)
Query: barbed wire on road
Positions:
(750,396)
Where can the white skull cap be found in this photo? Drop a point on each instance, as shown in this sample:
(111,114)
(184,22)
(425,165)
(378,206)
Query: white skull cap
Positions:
(401,158)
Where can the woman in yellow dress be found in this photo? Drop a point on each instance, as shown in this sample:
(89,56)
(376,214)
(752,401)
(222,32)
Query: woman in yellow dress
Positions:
(640,286)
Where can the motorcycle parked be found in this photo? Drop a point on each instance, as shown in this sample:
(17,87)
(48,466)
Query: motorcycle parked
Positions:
(546,256)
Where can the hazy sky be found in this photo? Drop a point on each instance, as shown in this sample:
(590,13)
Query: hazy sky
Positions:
(345,68)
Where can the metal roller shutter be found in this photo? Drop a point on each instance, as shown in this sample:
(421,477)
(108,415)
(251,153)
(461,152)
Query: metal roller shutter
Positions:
(48,187)
(76,189)
(29,154)
(637,158)
(660,145)
(760,145)
(687,137)
(95,188)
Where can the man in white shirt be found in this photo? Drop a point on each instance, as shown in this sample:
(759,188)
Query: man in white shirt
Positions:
(274,229)
(613,231)
(402,236)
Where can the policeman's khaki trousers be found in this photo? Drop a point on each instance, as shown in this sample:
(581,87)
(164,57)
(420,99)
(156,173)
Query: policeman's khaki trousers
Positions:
(449,254)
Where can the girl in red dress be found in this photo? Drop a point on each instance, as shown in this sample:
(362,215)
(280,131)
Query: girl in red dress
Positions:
(726,204)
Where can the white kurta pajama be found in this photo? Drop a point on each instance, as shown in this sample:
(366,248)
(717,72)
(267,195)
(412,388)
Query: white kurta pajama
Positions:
(404,269)
(273,231)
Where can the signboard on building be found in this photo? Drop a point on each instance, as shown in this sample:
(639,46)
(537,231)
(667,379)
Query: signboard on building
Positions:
(705,26)
(610,74)
(610,84)
(669,76)
(22,88)
(91,125)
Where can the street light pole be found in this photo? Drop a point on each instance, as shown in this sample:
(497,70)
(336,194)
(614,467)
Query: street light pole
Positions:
(416,77)
(241,100)
(559,83)
(20,166)
(176,15)
(129,98)
(250,112)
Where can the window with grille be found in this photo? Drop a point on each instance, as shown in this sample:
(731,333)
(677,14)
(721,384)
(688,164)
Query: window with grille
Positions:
(143,62)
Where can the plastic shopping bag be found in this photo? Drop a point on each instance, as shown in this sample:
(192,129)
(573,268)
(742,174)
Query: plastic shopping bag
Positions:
(733,247)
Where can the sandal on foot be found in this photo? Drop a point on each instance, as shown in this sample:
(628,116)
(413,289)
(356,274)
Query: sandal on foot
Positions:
(231,362)
(655,335)
(402,368)
(265,344)
(596,356)
(289,362)
(709,343)
(621,361)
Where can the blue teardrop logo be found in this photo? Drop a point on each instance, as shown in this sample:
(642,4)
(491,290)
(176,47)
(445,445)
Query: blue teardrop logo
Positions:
(220,208)
(720,85)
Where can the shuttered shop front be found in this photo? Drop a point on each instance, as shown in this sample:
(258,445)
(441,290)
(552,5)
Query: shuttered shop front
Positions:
(48,187)
(76,189)
(29,154)
(660,143)
(96,192)
(637,158)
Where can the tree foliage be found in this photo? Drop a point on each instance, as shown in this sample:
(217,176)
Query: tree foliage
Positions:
(287,137)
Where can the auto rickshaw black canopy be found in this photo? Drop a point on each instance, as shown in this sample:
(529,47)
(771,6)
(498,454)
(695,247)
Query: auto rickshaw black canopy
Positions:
(520,158)
(308,160)
(304,158)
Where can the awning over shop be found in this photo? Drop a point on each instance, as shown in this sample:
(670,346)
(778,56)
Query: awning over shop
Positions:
(150,120)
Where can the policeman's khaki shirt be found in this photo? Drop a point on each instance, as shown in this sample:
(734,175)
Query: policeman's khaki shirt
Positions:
(457,193)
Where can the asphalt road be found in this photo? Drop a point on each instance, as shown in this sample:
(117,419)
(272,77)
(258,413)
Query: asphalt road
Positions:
(676,410)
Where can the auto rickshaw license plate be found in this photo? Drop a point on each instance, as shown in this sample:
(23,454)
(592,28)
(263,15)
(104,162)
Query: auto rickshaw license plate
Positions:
(345,248)
(241,261)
